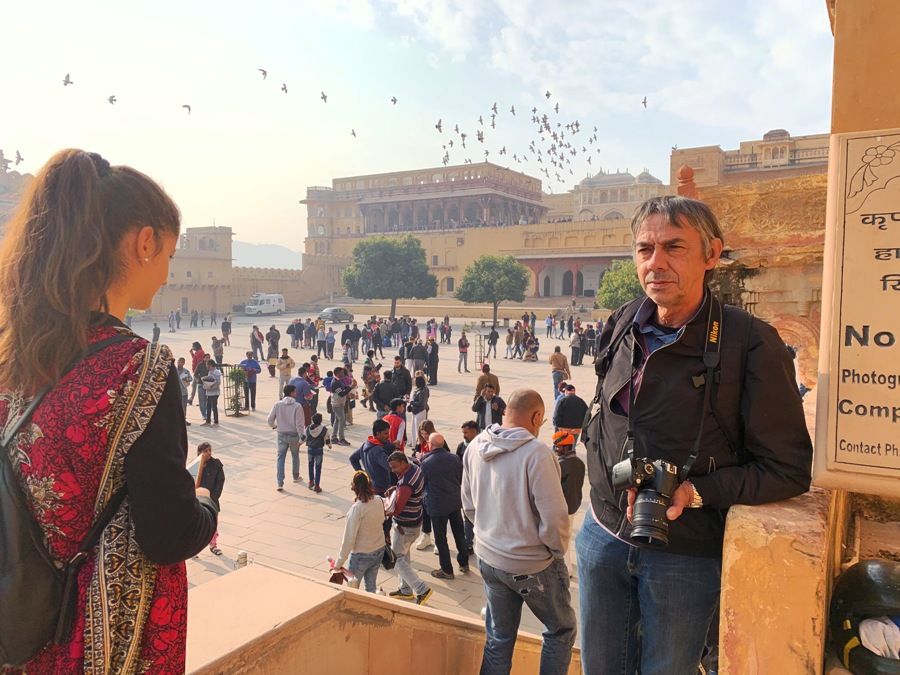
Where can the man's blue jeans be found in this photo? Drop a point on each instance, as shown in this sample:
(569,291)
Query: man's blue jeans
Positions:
(558,376)
(547,595)
(625,592)
(288,442)
(365,567)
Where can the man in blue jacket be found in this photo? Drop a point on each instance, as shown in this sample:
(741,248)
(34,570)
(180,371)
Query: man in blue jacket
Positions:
(443,502)
(252,368)
(372,457)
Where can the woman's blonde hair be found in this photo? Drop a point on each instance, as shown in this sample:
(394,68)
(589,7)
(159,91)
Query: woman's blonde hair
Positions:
(62,254)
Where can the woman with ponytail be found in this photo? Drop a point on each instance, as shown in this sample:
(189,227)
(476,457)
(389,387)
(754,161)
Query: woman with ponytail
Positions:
(89,242)
(364,539)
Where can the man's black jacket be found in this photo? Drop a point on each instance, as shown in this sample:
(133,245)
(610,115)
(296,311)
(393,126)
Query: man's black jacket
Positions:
(756,399)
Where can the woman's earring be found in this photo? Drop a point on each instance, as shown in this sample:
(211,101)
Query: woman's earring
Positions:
(146,260)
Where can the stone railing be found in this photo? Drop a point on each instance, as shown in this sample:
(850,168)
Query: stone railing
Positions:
(259,620)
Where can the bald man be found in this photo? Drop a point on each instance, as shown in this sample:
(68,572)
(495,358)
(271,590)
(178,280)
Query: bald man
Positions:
(443,480)
(511,490)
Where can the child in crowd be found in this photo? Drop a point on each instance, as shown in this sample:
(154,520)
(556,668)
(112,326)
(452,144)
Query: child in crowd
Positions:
(316,437)
(213,479)
(572,469)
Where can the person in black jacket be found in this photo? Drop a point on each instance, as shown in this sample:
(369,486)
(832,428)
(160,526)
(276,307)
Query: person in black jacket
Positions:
(402,378)
(731,424)
(213,479)
(571,470)
(383,393)
(489,408)
(443,501)
(569,413)
(432,367)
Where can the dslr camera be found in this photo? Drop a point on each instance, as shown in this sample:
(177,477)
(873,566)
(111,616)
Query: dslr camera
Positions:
(656,481)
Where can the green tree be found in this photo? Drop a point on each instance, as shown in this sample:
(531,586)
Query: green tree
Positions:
(619,285)
(493,279)
(389,268)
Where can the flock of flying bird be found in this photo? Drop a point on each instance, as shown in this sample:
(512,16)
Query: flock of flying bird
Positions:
(555,143)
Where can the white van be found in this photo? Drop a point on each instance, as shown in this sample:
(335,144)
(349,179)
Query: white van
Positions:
(265,303)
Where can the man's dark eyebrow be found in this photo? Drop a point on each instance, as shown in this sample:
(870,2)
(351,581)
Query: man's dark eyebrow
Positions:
(675,240)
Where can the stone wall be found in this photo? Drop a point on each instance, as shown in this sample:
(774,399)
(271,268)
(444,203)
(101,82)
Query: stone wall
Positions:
(775,231)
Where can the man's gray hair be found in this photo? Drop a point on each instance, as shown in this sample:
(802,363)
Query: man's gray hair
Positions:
(677,211)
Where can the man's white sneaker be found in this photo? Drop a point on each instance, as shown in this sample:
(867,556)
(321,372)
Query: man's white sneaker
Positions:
(423,542)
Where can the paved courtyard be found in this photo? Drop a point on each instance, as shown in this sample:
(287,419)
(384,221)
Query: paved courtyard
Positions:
(295,529)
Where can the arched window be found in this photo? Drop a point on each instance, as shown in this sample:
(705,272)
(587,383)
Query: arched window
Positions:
(320,212)
(321,230)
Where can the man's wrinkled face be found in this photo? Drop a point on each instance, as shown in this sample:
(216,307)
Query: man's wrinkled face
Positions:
(469,434)
(671,264)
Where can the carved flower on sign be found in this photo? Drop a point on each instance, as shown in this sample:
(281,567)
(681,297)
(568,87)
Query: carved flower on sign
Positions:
(865,176)
(878,156)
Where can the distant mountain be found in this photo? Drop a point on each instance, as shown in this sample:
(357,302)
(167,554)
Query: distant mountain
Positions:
(264,255)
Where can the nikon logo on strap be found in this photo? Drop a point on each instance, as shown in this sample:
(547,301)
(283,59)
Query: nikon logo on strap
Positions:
(714,332)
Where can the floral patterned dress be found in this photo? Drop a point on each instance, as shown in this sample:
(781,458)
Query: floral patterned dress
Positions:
(131,615)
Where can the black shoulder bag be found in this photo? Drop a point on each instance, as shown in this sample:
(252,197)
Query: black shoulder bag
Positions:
(37,598)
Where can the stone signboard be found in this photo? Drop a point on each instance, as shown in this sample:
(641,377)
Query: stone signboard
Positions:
(858,405)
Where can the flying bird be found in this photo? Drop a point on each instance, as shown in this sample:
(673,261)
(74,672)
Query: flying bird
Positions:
(394,100)
(324,97)
(439,127)
(548,94)
(589,160)
(456,129)
(263,71)
(67,81)
(644,103)
(493,124)
(494,107)
(513,110)
(451,143)
(556,108)
(284,87)
(480,120)
(112,100)
(480,136)
(19,157)
(675,147)
(487,153)
(353,133)
(188,108)
(503,150)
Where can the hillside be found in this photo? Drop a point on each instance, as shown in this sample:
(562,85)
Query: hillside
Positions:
(264,255)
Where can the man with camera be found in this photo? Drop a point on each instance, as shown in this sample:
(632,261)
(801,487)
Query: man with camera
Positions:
(695,410)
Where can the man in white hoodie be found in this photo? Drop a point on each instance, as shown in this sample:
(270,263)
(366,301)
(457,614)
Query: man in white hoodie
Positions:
(511,490)
(288,419)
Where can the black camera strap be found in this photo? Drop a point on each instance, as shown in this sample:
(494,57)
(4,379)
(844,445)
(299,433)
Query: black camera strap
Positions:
(711,359)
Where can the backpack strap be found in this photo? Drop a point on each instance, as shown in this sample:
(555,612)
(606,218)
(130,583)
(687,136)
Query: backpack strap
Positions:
(622,327)
(739,323)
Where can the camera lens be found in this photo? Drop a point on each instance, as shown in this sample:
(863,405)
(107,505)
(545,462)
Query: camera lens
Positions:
(651,527)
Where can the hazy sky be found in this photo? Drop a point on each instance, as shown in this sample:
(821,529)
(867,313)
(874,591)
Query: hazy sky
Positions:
(714,72)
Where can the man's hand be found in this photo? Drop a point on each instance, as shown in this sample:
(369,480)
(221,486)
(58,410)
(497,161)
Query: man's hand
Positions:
(682,498)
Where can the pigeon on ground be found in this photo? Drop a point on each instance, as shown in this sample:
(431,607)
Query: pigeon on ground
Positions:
(263,71)
(188,108)
(284,87)
(112,100)
(19,157)
(67,81)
